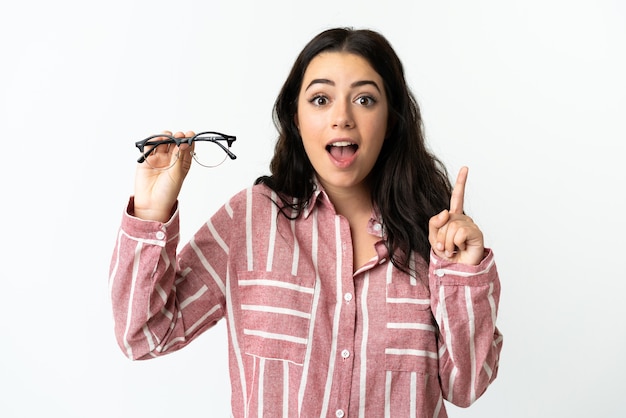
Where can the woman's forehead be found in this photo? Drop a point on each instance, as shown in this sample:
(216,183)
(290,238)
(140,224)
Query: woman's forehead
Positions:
(339,66)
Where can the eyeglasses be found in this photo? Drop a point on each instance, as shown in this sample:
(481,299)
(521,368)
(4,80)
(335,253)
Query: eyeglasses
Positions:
(157,152)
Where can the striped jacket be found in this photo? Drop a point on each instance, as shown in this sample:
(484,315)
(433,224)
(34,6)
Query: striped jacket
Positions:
(309,335)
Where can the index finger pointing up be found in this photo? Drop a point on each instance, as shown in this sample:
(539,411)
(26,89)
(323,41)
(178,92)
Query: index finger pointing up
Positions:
(458,192)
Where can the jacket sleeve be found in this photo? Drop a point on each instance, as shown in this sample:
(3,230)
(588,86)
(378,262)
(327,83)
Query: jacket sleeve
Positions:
(464,300)
(158,307)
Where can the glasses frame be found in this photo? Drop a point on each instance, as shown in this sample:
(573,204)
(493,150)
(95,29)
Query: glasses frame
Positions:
(210,136)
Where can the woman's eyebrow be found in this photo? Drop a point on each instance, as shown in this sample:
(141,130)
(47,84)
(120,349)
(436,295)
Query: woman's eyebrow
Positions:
(332,83)
(365,83)
(320,81)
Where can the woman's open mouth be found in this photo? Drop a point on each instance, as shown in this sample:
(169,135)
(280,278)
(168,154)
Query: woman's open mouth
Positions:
(342,149)
(342,152)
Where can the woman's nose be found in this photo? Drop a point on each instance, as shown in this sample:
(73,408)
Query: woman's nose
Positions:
(342,115)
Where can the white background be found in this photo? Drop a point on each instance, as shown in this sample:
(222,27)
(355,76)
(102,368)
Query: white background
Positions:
(531,95)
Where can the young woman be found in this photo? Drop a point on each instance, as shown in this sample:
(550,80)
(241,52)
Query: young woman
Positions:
(351,280)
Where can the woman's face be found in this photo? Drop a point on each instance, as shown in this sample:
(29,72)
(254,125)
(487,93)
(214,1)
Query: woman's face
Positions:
(342,118)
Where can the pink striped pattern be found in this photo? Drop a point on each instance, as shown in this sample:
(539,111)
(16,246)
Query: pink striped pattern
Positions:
(308,337)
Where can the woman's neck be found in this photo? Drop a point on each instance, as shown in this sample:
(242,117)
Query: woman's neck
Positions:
(350,202)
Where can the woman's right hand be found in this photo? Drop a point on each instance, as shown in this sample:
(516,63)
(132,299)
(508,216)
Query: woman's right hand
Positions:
(156,191)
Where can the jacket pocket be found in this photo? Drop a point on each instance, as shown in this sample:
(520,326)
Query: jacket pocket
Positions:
(276,314)
(411,330)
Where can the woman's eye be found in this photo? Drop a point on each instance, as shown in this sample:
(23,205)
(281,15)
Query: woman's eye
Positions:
(319,100)
(365,100)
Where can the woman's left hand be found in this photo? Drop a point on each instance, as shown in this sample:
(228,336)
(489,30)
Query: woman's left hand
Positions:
(454,236)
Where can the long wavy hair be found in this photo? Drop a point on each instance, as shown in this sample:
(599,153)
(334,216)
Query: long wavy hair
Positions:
(408,183)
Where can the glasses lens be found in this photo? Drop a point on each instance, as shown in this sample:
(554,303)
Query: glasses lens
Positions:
(161,156)
(208,153)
